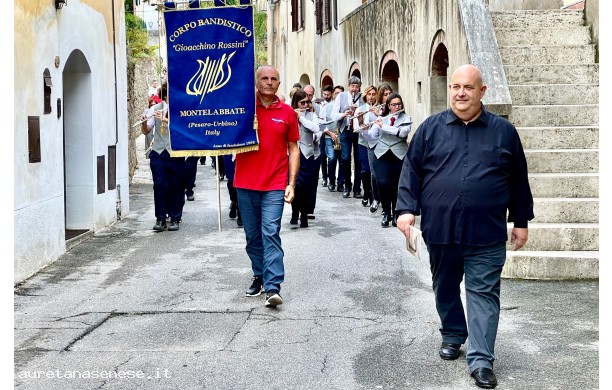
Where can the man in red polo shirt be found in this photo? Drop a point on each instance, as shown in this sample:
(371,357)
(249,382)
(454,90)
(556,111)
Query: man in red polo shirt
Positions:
(264,179)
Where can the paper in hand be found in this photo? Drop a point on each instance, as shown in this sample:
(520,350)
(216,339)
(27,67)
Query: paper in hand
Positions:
(415,244)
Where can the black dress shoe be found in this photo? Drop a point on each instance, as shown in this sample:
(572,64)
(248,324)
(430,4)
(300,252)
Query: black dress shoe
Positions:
(324,183)
(340,188)
(484,377)
(365,202)
(357,195)
(449,351)
(346,194)
(386,218)
(239,219)
(394,221)
(331,187)
(174,226)
(233,208)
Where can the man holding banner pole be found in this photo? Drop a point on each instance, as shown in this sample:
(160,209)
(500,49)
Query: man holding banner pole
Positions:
(264,179)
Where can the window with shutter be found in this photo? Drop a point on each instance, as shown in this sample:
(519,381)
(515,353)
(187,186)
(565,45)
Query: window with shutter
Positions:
(302,14)
(319,16)
(294,15)
(327,15)
(335,14)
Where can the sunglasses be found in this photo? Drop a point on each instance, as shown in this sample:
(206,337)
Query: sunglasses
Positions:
(304,102)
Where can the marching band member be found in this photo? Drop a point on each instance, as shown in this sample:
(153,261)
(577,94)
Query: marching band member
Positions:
(310,158)
(381,98)
(391,131)
(168,172)
(369,99)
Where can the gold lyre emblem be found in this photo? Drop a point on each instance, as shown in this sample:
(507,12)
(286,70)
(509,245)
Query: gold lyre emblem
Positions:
(211,76)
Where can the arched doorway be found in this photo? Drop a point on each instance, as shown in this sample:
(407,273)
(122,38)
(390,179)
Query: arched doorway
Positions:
(354,71)
(389,70)
(304,80)
(438,60)
(79,167)
(326,79)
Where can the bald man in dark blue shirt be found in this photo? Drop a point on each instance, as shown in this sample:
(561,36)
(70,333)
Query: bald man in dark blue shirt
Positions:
(464,172)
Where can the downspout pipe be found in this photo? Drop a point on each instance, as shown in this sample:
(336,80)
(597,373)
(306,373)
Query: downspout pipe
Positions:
(272,33)
(118,202)
(115,66)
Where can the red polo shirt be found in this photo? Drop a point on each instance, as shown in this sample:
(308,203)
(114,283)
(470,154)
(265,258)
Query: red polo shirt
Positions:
(267,169)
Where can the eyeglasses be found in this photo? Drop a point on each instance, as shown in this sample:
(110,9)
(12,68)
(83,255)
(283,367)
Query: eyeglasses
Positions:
(304,102)
(395,104)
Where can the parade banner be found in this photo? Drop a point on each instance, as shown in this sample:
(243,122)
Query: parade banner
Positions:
(211,80)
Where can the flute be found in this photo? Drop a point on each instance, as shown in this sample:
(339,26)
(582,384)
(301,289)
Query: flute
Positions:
(390,115)
(378,107)
(144,120)
(382,118)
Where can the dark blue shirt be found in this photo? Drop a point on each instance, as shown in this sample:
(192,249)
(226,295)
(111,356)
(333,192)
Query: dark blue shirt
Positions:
(464,179)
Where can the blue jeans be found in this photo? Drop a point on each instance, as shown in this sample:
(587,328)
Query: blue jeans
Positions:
(332,162)
(482,267)
(350,148)
(261,213)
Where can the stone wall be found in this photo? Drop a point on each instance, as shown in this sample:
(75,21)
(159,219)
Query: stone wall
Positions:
(140,75)
(591,9)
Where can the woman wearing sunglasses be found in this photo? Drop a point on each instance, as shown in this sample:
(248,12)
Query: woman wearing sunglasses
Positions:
(310,157)
(391,131)
(382,93)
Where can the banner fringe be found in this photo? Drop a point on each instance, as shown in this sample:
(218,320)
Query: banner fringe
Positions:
(211,153)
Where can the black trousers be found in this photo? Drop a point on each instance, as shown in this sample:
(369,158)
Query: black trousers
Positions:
(387,169)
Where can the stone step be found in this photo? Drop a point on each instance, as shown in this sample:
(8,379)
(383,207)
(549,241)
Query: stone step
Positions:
(554,94)
(566,210)
(560,54)
(569,137)
(562,160)
(552,74)
(541,18)
(560,265)
(564,185)
(559,115)
(527,36)
(561,237)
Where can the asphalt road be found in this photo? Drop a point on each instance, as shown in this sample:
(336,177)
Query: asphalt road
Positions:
(129,308)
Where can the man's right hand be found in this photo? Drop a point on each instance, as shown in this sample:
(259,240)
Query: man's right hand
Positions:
(404,222)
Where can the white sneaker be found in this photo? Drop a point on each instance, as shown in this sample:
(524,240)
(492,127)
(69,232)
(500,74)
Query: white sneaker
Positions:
(273,299)
(374,207)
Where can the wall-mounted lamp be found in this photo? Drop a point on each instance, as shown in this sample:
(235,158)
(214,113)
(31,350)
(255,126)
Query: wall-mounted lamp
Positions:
(60,3)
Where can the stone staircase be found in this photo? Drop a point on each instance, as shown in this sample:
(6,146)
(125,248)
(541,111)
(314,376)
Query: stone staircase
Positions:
(553,78)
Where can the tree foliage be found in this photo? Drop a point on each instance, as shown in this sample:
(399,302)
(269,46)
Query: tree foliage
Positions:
(260,25)
(136,35)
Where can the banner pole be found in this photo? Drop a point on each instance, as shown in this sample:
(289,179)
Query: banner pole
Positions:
(218,192)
